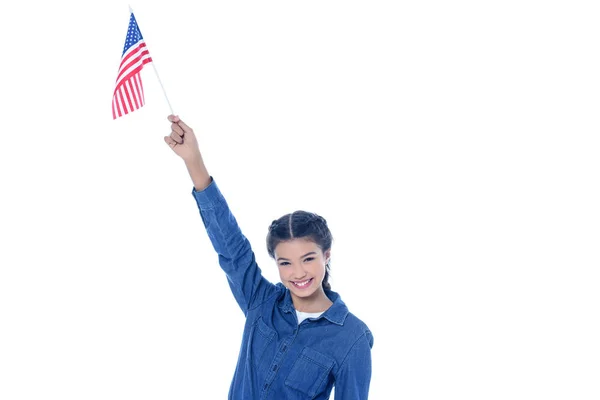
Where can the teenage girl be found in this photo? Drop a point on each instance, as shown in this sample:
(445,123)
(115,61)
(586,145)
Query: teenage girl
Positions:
(299,338)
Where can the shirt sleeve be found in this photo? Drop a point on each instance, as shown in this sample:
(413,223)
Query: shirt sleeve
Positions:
(354,376)
(236,257)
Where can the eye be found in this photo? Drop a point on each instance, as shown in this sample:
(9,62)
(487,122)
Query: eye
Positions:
(284,263)
(308,259)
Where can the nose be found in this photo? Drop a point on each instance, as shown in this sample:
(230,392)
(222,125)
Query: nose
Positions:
(298,272)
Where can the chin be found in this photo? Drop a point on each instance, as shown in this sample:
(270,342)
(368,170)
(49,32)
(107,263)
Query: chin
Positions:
(303,293)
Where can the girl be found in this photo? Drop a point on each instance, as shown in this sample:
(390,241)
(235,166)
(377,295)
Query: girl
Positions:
(299,338)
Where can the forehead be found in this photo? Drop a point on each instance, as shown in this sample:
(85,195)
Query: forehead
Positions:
(295,248)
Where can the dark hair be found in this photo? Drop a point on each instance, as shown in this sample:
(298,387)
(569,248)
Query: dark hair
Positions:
(298,225)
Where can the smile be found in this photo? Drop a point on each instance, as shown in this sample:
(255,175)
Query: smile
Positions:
(303,284)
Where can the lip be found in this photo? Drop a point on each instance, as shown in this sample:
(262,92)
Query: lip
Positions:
(310,281)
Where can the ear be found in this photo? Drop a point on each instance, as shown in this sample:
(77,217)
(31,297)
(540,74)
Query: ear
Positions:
(327,255)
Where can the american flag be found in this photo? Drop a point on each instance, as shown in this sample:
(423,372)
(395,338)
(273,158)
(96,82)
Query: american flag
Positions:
(129,93)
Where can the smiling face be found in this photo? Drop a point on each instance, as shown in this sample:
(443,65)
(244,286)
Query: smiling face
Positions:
(302,266)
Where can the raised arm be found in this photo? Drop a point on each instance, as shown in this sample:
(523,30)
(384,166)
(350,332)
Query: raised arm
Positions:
(184,143)
(236,257)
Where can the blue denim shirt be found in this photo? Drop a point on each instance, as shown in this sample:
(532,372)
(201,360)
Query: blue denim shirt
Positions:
(280,359)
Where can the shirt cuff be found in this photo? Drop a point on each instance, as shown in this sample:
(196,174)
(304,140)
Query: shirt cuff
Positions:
(209,197)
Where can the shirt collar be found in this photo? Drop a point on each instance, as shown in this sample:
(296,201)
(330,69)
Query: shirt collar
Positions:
(336,314)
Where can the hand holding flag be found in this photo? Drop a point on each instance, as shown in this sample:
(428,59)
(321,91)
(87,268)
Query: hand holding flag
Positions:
(182,140)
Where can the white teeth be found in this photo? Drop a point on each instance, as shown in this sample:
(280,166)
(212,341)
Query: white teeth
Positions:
(302,283)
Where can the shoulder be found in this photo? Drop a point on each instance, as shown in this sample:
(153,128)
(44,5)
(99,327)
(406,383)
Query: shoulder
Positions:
(354,327)
(358,329)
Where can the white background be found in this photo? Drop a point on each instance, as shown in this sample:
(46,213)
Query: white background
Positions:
(452,146)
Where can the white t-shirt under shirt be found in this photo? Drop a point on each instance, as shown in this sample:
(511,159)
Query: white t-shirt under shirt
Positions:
(303,315)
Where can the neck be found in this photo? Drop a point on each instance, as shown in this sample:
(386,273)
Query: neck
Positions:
(317,302)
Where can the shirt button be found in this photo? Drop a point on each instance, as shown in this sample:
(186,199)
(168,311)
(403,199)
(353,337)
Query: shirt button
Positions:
(274,367)
(283,347)
(266,386)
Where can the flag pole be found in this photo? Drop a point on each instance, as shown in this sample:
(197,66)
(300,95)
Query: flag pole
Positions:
(158,77)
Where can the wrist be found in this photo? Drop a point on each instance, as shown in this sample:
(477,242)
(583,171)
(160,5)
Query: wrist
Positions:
(193,161)
(198,173)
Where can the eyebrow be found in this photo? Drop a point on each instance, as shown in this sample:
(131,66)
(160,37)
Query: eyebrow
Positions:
(307,254)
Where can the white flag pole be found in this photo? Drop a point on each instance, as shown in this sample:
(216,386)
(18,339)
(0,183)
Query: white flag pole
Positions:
(156,72)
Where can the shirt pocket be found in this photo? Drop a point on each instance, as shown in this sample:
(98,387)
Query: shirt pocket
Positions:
(309,372)
(260,338)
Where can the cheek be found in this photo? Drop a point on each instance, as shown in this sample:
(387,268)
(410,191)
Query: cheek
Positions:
(282,273)
(319,266)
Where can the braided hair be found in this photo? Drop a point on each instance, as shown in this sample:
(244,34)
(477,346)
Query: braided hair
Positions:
(301,224)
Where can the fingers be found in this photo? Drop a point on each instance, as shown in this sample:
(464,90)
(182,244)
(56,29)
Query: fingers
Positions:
(177,129)
(170,141)
(178,122)
(177,132)
(183,125)
(175,135)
